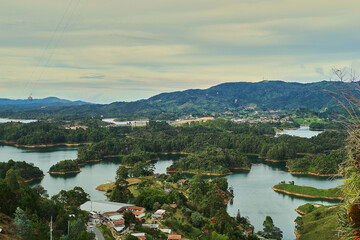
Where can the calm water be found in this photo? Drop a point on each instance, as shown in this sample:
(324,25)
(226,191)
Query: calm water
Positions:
(253,194)
(5,120)
(303,131)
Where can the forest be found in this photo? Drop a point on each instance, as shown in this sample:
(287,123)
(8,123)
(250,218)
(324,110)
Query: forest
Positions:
(33,210)
(232,141)
(21,168)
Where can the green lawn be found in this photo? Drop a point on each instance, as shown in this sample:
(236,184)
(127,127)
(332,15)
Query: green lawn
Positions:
(311,191)
(319,223)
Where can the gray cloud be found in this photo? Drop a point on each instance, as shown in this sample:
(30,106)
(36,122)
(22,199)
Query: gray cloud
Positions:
(130,50)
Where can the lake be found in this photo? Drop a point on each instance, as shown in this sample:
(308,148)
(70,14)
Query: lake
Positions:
(5,120)
(252,189)
(303,131)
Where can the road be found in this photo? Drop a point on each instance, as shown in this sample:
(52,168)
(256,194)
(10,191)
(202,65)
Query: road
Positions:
(91,227)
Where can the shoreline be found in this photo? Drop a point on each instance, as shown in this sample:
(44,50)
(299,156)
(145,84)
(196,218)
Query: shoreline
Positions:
(300,212)
(44,145)
(305,195)
(209,174)
(316,174)
(63,173)
(275,161)
(33,179)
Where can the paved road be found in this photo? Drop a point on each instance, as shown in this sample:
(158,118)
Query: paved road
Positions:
(94,229)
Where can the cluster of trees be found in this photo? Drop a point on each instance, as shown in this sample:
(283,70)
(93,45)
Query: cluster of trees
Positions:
(32,210)
(137,156)
(49,133)
(65,166)
(212,160)
(22,169)
(323,163)
(327,125)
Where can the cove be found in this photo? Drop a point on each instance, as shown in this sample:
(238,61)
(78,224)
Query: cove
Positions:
(252,189)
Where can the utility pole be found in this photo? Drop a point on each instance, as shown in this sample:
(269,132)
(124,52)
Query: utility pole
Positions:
(51,228)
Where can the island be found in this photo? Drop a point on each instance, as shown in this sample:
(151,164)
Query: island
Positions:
(65,167)
(308,192)
(211,161)
(27,171)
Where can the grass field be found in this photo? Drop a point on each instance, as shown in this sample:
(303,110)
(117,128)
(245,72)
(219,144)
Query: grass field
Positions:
(309,191)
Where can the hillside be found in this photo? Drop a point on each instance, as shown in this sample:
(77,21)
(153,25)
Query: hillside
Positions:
(45,102)
(276,95)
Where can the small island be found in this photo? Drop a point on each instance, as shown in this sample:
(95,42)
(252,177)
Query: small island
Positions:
(27,171)
(211,161)
(65,167)
(308,192)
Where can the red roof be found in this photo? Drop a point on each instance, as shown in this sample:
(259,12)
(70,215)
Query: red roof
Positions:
(137,213)
(173,237)
(136,208)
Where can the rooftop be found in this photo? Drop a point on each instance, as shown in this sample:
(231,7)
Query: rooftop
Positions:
(103,206)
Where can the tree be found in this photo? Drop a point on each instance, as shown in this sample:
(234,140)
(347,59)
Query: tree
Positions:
(121,172)
(41,191)
(130,237)
(121,193)
(129,218)
(269,230)
(22,223)
(196,219)
(142,169)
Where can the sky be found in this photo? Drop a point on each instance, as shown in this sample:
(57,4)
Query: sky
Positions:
(115,50)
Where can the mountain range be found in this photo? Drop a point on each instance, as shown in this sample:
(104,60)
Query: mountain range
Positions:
(233,96)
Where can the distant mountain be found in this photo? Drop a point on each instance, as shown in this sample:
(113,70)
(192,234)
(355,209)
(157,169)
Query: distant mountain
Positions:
(45,102)
(220,98)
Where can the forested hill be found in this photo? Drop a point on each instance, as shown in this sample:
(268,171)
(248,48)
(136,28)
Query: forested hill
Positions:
(220,98)
(45,102)
(266,94)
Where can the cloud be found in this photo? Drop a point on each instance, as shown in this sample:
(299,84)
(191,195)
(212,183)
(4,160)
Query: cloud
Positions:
(121,50)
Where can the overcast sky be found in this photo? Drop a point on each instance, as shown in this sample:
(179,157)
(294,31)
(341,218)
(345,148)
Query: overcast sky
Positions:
(114,50)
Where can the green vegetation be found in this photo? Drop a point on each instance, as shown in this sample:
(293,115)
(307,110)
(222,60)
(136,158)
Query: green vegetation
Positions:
(212,160)
(106,232)
(50,133)
(32,209)
(309,191)
(23,169)
(323,163)
(65,166)
(232,97)
(230,141)
(319,222)
(327,126)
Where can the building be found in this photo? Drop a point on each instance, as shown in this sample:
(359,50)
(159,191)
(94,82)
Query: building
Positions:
(140,236)
(174,237)
(103,206)
(159,214)
(152,226)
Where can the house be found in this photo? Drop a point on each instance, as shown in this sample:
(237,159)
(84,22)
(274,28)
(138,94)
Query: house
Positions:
(173,205)
(166,230)
(152,226)
(181,182)
(140,236)
(158,215)
(174,237)
(139,212)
